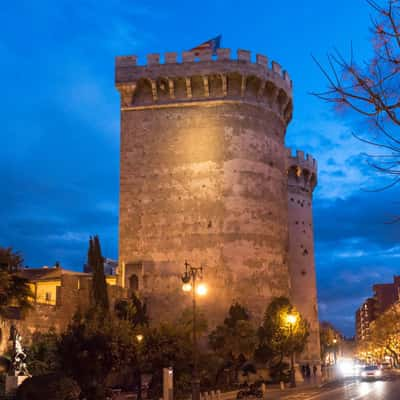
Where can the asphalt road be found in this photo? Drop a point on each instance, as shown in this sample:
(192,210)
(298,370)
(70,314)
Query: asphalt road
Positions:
(386,389)
(375,390)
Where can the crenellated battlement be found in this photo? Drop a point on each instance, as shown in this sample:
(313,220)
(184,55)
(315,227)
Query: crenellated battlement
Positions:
(301,159)
(174,78)
(243,56)
(301,168)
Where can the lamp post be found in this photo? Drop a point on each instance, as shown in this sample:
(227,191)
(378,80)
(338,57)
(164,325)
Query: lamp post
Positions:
(189,279)
(291,319)
(139,339)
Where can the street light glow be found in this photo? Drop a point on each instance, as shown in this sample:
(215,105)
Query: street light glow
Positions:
(201,289)
(186,287)
(291,319)
(139,337)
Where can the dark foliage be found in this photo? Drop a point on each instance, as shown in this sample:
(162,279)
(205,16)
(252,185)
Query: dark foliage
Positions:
(86,355)
(277,338)
(9,260)
(51,386)
(280,372)
(93,347)
(167,346)
(99,285)
(14,290)
(42,357)
(133,311)
(234,341)
(236,313)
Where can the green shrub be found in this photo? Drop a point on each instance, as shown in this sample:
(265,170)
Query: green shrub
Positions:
(50,386)
(280,372)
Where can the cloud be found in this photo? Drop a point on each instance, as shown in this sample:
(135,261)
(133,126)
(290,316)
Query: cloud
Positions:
(362,218)
(341,164)
(60,162)
(354,249)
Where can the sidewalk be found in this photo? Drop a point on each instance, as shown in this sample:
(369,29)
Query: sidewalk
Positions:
(306,388)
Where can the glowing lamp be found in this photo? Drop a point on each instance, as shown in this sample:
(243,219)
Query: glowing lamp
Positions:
(291,319)
(186,287)
(201,289)
(139,337)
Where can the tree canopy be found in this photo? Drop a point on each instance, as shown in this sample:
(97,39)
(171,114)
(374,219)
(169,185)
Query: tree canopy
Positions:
(93,347)
(234,341)
(10,260)
(99,285)
(384,336)
(329,339)
(132,310)
(236,336)
(14,290)
(277,337)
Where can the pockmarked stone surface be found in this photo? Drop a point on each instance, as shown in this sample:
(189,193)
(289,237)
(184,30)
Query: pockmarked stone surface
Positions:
(204,178)
(302,179)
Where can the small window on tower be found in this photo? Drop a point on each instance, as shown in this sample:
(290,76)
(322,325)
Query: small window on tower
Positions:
(134,282)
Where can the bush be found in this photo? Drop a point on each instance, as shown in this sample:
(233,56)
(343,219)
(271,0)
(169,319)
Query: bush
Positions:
(42,357)
(280,372)
(2,385)
(50,386)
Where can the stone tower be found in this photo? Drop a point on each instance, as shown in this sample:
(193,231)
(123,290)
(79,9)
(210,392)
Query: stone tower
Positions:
(204,178)
(302,179)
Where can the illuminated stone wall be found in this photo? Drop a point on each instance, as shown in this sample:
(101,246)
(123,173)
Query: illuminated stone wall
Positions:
(203,179)
(302,178)
(71,294)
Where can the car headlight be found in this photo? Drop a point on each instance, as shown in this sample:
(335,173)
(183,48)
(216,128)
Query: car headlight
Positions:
(363,373)
(378,373)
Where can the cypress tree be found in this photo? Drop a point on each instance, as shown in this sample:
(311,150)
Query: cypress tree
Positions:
(99,285)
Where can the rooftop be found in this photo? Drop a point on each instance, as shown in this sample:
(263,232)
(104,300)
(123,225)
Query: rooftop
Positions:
(47,273)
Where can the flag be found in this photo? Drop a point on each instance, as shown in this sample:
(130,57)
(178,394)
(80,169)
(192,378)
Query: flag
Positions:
(212,44)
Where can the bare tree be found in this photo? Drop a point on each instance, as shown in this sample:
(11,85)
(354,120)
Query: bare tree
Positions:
(371,89)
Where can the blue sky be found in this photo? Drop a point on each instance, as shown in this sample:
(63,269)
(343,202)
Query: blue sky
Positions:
(60,126)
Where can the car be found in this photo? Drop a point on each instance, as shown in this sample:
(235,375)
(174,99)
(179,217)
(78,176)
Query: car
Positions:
(371,372)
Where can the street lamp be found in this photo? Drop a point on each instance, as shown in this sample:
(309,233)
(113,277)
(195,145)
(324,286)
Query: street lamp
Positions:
(139,337)
(201,289)
(291,319)
(189,279)
(186,287)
